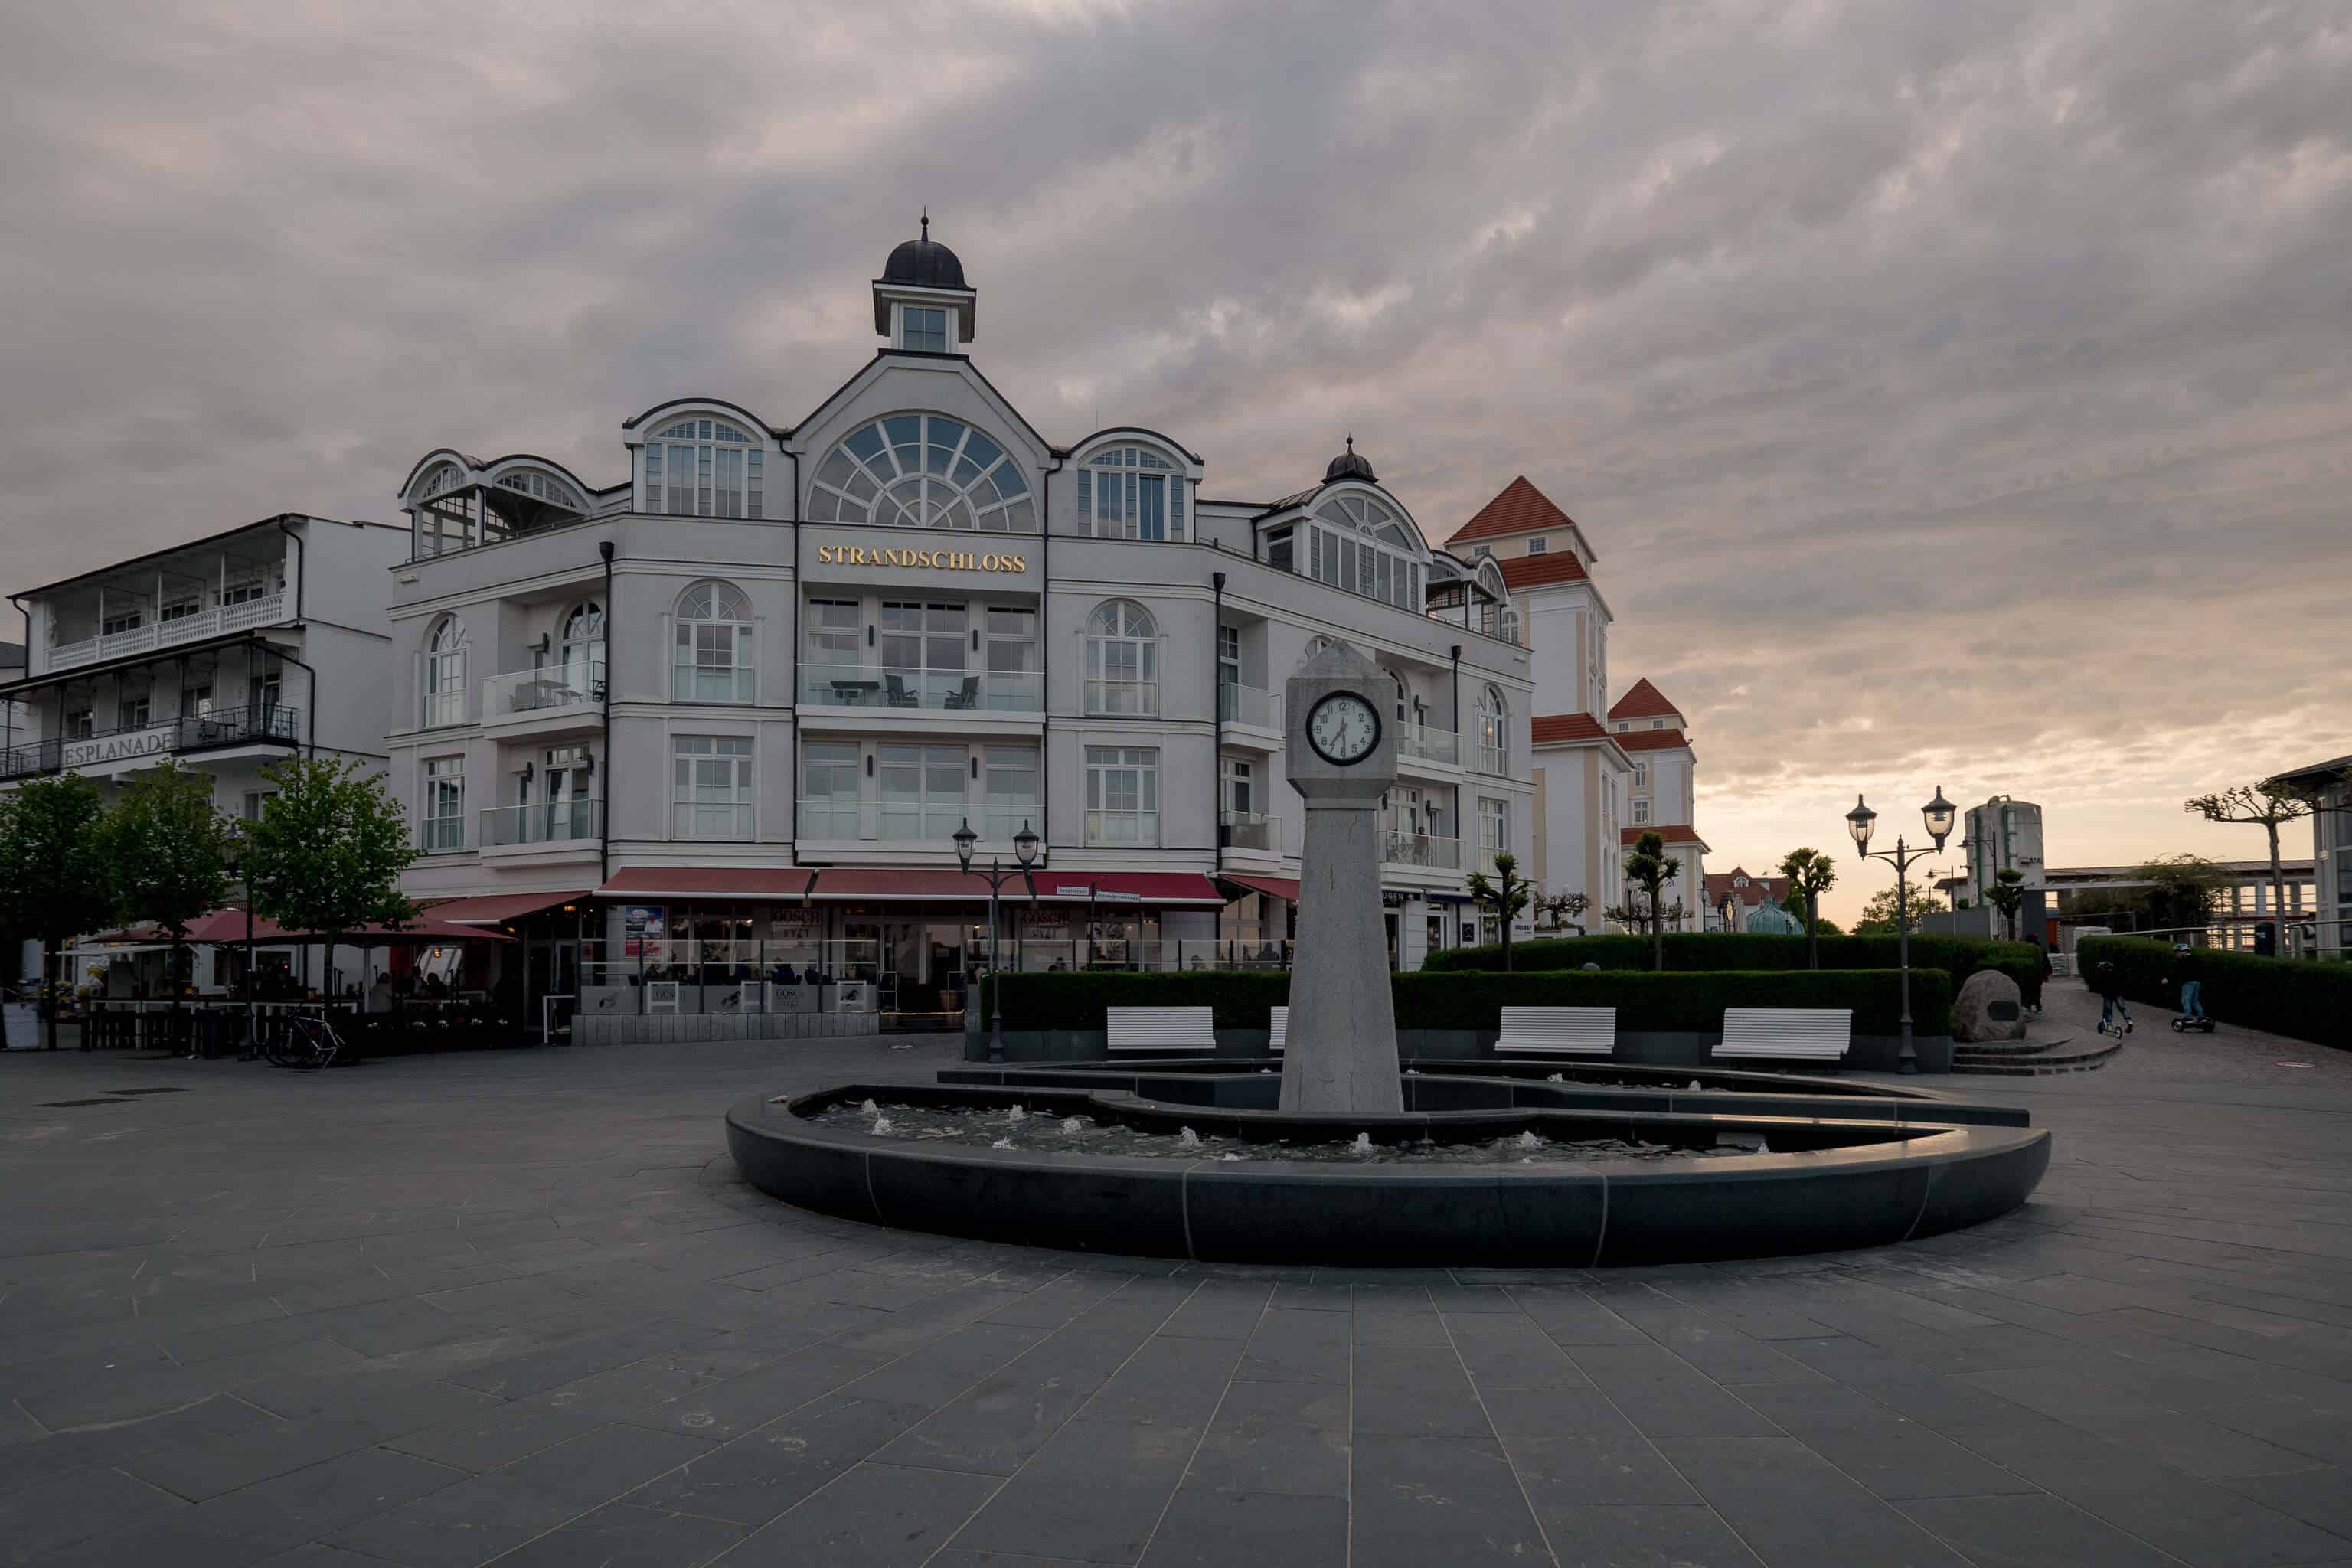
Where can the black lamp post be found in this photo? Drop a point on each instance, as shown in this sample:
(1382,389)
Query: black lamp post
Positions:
(1024,854)
(1937,814)
(237,851)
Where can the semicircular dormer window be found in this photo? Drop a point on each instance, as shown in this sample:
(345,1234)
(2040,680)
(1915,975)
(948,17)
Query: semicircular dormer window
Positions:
(923,470)
(1131,492)
(1353,541)
(704,466)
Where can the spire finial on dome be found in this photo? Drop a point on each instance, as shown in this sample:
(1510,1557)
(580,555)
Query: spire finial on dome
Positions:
(927,220)
(1351,440)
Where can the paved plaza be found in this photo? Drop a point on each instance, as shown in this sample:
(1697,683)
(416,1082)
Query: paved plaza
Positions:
(517,1307)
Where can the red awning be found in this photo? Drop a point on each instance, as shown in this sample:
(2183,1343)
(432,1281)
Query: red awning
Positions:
(489,909)
(217,927)
(1145,887)
(791,882)
(1274,886)
(894,884)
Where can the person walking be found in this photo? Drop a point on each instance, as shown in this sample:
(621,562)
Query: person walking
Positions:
(2112,1008)
(2042,956)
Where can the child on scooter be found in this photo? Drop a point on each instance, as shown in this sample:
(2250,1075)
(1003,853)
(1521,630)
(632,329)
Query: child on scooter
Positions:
(2110,987)
(2192,1000)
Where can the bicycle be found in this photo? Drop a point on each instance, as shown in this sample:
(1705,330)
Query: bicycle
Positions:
(305,1042)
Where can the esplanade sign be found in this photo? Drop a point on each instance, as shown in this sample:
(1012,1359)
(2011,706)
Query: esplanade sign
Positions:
(150,743)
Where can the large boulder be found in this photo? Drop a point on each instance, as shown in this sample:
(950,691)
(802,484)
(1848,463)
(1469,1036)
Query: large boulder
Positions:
(1988,1007)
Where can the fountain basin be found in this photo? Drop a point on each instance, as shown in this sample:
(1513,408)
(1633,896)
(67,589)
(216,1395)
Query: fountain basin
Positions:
(1839,1184)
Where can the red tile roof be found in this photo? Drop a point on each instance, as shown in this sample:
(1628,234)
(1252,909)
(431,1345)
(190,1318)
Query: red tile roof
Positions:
(1532,570)
(1643,701)
(1759,889)
(1671,832)
(1651,740)
(1519,509)
(1551,729)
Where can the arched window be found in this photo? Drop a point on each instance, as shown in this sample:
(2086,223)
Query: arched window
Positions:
(544,487)
(714,644)
(706,467)
(579,652)
(1122,659)
(444,673)
(1491,730)
(1131,492)
(922,470)
(1357,544)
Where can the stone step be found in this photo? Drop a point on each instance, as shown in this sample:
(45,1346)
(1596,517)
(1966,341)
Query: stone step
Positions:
(2079,1059)
(2009,1047)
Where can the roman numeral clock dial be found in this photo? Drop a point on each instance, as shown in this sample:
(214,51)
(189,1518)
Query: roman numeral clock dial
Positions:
(1343,728)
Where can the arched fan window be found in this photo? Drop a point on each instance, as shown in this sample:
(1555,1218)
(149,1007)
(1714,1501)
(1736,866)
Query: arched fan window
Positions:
(714,644)
(923,470)
(1122,659)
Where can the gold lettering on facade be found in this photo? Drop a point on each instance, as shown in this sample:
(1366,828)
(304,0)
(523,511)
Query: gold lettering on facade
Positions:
(936,560)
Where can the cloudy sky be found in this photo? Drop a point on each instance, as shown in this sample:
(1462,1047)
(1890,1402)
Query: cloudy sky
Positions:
(1956,395)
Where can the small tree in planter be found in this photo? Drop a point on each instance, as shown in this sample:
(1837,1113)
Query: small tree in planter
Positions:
(166,850)
(1811,874)
(52,872)
(1507,896)
(2007,895)
(328,852)
(1649,869)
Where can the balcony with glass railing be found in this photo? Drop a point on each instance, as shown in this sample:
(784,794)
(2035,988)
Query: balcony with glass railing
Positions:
(1250,830)
(1123,829)
(1423,743)
(724,823)
(1249,705)
(546,692)
(1426,850)
(937,691)
(549,822)
(847,821)
(703,683)
(1115,699)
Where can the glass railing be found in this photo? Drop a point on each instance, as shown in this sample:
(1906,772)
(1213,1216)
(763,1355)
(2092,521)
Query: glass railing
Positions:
(1430,745)
(1123,699)
(549,822)
(884,686)
(526,691)
(1249,705)
(1493,759)
(699,683)
(442,834)
(1250,830)
(1121,828)
(1425,849)
(694,820)
(442,709)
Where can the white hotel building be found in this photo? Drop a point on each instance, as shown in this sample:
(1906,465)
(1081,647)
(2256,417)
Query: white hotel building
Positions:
(744,695)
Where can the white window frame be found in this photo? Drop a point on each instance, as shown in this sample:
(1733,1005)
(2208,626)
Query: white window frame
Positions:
(1122,659)
(1538,546)
(1237,786)
(830,812)
(712,645)
(697,781)
(934,323)
(940,798)
(1011,672)
(444,684)
(1115,487)
(1641,809)
(1123,797)
(941,640)
(1011,778)
(726,468)
(441,814)
(914,469)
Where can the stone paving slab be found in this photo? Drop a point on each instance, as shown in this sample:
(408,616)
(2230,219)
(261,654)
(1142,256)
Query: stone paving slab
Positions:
(517,1307)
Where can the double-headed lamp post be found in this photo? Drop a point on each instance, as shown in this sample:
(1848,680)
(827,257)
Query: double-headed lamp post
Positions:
(1025,855)
(1937,814)
(239,850)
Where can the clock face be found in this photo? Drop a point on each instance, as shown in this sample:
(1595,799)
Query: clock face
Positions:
(1343,728)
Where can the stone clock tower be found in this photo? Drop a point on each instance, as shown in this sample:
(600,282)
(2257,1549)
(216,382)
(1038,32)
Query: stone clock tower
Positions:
(1340,752)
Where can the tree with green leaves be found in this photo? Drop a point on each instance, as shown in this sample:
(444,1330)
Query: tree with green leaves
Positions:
(166,852)
(2267,805)
(1650,868)
(1565,908)
(1811,874)
(53,871)
(2182,891)
(327,851)
(2007,895)
(1507,895)
(1878,915)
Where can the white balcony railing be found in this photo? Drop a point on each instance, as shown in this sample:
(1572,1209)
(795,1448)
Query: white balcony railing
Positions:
(1423,849)
(885,685)
(525,692)
(549,822)
(221,619)
(1430,745)
(1123,699)
(1123,829)
(1249,705)
(691,819)
(1250,830)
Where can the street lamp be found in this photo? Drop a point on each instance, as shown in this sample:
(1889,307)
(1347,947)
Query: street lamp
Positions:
(1024,853)
(1938,816)
(239,849)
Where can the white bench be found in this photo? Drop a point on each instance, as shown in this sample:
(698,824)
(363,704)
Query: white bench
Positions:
(1558,1031)
(1161,1030)
(1281,1029)
(1787,1034)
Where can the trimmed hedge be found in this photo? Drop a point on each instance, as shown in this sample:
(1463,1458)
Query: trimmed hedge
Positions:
(1686,1002)
(1703,952)
(2303,999)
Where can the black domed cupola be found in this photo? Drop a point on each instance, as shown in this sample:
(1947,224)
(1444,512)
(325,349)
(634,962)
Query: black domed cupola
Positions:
(920,287)
(1350,464)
